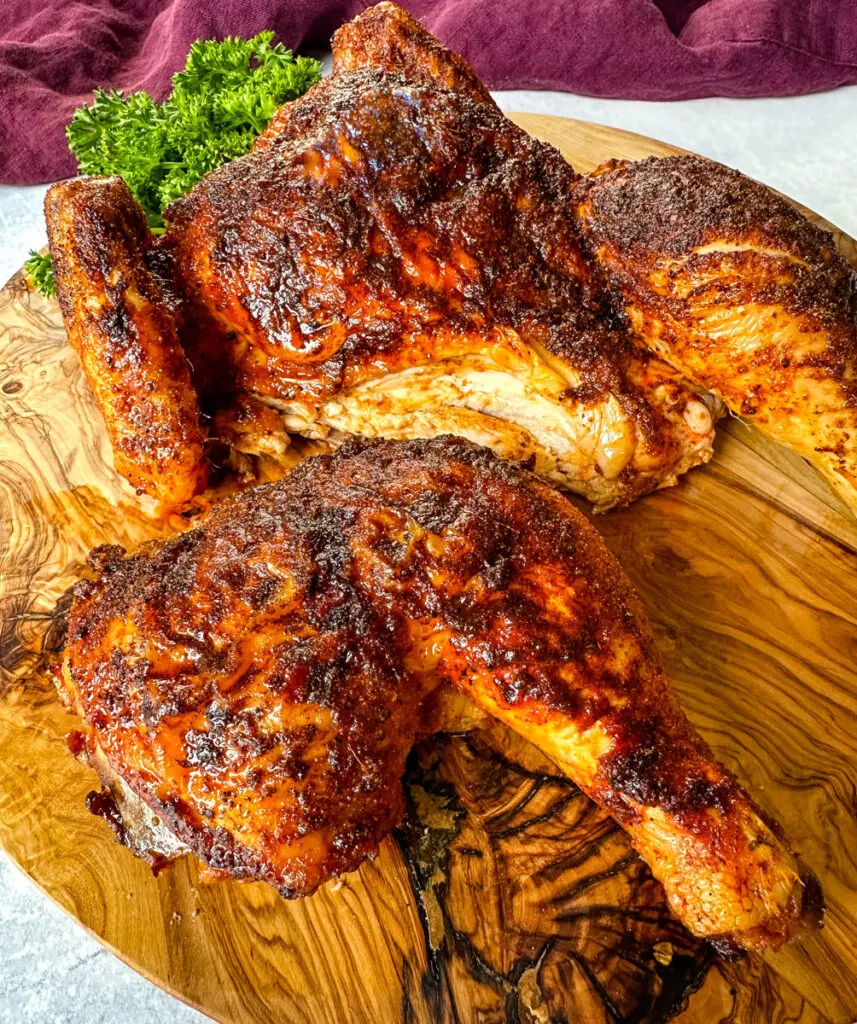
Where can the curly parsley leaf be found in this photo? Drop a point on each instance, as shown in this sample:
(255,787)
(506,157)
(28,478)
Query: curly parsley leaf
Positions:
(224,97)
(227,93)
(40,271)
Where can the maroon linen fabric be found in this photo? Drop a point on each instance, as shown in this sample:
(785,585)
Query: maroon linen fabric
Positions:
(53,53)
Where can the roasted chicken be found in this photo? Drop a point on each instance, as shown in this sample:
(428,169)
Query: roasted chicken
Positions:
(396,258)
(257,682)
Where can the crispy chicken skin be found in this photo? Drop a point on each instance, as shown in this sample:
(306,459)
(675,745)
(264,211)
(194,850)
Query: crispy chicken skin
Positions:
(387,38)
(731,285)
(121,326)
(258,681)
(396,259)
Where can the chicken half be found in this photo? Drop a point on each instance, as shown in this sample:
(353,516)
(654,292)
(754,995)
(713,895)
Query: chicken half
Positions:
(395,258)
(256,683)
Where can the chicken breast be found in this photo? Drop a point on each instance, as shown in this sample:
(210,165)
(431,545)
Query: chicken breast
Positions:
(397,259)
(736,289)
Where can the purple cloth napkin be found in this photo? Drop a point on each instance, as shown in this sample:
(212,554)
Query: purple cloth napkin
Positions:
(53,53)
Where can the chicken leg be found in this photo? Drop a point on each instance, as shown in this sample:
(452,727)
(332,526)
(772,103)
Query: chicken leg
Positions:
(258,681)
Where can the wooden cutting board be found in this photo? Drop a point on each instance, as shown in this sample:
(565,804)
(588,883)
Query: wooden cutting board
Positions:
(506,896)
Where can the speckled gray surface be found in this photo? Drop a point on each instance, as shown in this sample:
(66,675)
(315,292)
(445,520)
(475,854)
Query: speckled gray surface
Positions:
(51,972)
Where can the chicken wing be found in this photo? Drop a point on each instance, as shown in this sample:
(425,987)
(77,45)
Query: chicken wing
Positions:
(387,38)
(120,324)
(738,291)
(257,682)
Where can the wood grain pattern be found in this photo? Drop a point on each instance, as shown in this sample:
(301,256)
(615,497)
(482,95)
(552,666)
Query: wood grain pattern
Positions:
(506,896)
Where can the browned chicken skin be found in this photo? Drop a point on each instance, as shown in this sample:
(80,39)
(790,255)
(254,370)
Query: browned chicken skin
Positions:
(396,258)
(120,324)
(399,259)
(734,287)
(387,38)
(258,681)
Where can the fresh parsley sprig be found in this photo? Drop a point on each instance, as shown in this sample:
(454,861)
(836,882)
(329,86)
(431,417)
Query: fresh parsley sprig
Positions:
(224,97)
(41,272)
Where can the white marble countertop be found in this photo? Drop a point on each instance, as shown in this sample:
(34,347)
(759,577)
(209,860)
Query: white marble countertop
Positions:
(50,969)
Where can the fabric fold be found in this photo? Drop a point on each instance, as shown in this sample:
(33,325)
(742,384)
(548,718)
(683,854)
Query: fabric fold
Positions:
(52,55)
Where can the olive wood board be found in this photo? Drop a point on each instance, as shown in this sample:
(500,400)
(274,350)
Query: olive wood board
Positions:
(506,896)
